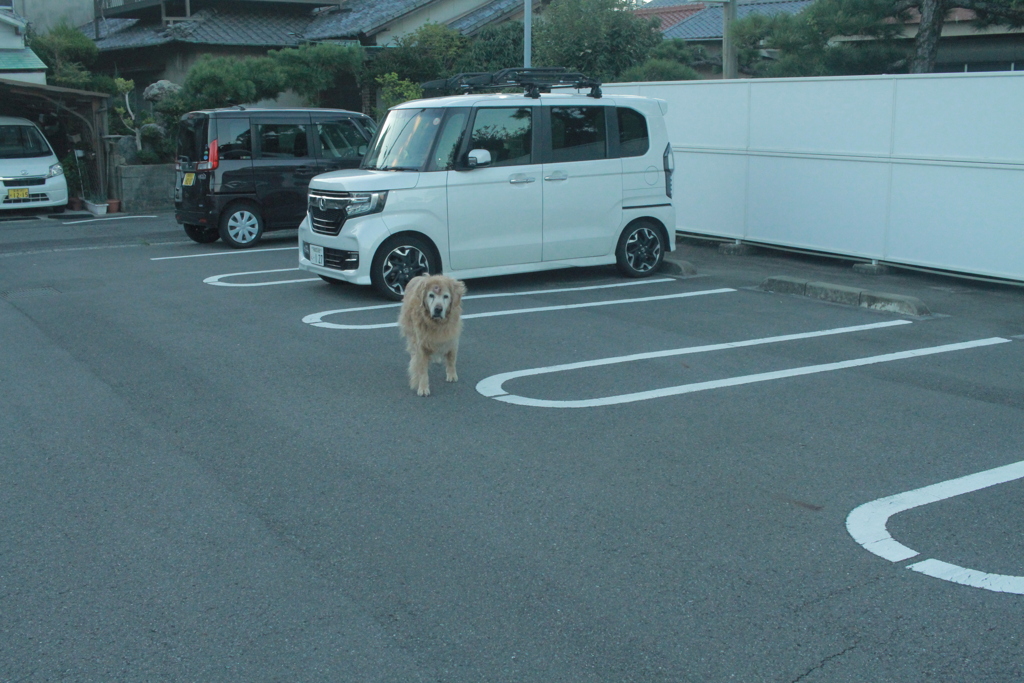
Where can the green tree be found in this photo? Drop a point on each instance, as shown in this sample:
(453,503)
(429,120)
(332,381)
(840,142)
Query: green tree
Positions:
(67,52)
(394,90)
(225,81)
(311,70)
(496,47)
(600,38)
(671,60)
(430,52)
(838,37)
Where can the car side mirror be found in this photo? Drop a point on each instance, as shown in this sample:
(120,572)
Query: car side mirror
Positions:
(478,158)
(362,149)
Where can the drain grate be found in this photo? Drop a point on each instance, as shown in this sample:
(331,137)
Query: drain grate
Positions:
(28,293)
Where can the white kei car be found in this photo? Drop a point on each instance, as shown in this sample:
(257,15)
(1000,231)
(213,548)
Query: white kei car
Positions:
(483,185)
(31,175)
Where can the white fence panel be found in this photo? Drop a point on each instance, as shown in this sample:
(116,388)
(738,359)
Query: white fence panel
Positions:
(915,170)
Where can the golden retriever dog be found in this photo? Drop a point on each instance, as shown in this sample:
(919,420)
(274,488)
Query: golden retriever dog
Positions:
(431,322)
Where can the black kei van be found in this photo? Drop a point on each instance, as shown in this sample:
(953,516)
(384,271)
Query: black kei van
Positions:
(241,171)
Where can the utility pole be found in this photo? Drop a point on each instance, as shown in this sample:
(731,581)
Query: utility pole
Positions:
(730,68)
(527,32)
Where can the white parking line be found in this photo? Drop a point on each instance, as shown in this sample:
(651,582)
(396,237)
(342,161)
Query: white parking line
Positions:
(224,253)
(867,525)
(316,319)
(110,218)
(492,386)
(216,279)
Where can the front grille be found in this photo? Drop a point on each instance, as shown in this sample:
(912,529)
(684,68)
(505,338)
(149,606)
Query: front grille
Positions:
(24,182)
(339,259)
(327,211)
(40,197)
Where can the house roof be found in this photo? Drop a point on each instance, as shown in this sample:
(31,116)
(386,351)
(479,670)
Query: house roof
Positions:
(360,17)
(9,16)
(655,4)
(669,15)
(226,24)
(707,23)
(492,12)
(20,60)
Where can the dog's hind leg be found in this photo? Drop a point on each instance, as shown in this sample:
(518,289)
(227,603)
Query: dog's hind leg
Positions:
(419,380)
(449,365)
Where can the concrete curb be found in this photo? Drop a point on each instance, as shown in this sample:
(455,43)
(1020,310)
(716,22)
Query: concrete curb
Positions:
(850,296)
(672,266)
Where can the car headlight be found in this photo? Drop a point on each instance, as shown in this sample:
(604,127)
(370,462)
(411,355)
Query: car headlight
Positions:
(56,170)
(362,203)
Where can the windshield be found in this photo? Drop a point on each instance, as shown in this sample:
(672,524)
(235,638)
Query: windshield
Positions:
(22,142)
(404,140)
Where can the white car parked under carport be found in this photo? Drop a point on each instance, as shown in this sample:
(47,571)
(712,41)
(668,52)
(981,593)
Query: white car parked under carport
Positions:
(31,175)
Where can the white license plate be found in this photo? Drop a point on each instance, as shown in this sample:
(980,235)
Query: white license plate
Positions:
(316,255)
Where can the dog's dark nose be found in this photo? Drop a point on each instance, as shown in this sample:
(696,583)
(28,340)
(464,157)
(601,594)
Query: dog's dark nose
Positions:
(438,311)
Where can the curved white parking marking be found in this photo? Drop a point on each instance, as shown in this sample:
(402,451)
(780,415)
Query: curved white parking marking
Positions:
(492,386)
(867,526)
(316,319)
(226,252)
(218,279)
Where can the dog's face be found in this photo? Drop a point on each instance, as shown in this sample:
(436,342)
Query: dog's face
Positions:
(438,300)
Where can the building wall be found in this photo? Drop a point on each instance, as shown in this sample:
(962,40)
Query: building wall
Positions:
(44,14)
(9,38)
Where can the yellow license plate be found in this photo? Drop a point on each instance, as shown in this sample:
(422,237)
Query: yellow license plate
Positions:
(21,193)
(190,179)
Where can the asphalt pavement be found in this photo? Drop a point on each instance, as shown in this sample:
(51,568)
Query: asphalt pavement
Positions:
(212,469)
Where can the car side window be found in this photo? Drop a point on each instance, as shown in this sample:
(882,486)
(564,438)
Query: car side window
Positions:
(505,132)
(340,140)
(448,141)
(578,134)
(634,140)
(282,140)
(234,139)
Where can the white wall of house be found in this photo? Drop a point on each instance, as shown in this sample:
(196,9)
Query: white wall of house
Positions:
(920,170)
(43,14)
(9,38)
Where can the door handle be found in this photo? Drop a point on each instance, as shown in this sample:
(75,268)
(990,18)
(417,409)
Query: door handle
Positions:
(520,179)
(557,175)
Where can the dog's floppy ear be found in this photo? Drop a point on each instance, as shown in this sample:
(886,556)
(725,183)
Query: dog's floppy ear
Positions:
(414,288)
(458,291)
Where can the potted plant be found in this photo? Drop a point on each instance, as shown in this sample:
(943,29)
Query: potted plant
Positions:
(74,180)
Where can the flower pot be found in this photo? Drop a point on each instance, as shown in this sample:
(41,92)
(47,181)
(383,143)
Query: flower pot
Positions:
(96,208)
(113,205)
(75,203)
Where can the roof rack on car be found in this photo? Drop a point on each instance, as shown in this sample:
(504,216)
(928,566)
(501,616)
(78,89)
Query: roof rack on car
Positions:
(534,81)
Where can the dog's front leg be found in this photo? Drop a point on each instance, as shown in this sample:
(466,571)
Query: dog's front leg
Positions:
(449,365)
(419,379)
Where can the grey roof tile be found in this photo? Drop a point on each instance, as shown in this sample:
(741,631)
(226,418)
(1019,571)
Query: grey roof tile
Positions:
(235,25)
(493,11)
(707,24)
(357,17)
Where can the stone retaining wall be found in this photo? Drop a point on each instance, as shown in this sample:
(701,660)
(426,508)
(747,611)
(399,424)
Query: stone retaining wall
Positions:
(144,188)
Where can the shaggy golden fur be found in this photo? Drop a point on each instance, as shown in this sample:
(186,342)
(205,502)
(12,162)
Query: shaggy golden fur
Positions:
(431,322)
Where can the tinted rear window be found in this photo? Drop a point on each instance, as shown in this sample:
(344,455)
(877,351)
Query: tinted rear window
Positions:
(22,142)
(192,138)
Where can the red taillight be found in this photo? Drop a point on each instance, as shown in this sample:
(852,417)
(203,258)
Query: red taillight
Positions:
(213,161)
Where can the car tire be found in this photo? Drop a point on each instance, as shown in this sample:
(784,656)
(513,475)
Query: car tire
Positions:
(241,225)
(641,249)
(201,233)
(398,260)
